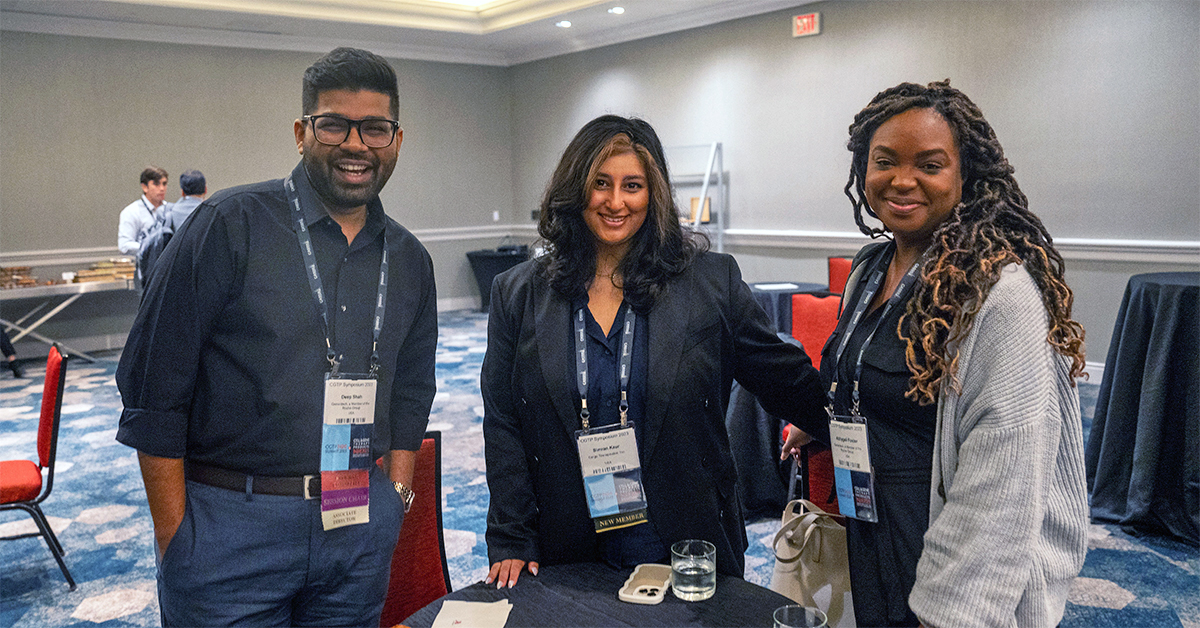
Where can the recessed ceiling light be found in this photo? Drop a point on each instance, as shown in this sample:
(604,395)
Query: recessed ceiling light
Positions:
(563,24)
(617,10)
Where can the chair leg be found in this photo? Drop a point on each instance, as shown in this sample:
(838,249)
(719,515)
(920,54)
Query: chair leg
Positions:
(49,532)
(56,548)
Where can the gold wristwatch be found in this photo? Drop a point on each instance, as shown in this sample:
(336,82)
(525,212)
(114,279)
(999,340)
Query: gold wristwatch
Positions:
(406,494)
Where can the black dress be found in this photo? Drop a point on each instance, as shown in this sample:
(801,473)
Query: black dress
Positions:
(883,556)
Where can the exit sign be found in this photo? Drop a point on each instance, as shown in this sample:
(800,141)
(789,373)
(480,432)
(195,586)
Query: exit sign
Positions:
(805,25)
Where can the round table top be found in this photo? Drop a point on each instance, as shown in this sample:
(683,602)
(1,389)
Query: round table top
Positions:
(585,594)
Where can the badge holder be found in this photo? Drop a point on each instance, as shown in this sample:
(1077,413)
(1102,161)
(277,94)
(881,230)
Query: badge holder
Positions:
(612,476)
(852,467)
(349,419)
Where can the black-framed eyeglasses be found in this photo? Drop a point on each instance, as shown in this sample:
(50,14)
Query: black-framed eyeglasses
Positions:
(333,130)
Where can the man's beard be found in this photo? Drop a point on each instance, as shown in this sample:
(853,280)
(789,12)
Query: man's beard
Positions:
(339,195)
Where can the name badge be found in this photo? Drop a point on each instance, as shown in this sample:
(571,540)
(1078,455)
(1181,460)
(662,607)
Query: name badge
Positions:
(852,467)
(349,419)
(612,476)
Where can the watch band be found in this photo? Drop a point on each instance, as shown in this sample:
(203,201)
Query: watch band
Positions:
(406,494)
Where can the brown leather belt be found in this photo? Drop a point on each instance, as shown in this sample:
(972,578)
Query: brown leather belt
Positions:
(307,486)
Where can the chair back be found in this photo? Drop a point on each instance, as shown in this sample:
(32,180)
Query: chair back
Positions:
(52,392)
(813,319)
(839,272)
(419,571)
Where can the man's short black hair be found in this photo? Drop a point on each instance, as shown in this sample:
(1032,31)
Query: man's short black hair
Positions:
(153,173)
(350,69)
(192,183)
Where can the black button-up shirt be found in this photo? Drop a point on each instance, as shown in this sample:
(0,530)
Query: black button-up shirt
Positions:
(226,361)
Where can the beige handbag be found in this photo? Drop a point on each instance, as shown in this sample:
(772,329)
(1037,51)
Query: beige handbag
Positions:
(810,562)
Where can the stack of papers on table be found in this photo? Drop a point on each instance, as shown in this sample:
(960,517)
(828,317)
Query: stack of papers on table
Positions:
(474,614)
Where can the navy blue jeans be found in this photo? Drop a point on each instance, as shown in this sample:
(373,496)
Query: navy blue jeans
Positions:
(264,560)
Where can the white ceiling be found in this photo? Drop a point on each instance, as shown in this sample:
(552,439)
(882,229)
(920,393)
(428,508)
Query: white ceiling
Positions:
(496,32)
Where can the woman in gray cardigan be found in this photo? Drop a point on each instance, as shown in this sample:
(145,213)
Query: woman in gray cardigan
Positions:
(975,510)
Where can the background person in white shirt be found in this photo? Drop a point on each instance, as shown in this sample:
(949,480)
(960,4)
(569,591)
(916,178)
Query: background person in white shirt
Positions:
(139,216)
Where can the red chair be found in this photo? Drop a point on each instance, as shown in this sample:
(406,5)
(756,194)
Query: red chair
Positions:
(813,319)
(21,483)
(839,272)
(419,571)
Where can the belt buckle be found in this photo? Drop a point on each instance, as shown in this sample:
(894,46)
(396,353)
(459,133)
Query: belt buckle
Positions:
(307,479)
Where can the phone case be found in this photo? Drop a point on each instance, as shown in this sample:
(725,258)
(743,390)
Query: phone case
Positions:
(647,584)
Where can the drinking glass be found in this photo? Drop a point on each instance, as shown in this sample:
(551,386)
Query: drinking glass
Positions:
(693,570)
(793,616)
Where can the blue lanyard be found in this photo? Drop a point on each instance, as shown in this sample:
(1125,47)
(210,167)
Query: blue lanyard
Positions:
(581,368)
(318,292)
(860,308)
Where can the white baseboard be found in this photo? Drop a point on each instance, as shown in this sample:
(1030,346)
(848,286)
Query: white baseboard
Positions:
(458,303)
(1094,372)
(29,348)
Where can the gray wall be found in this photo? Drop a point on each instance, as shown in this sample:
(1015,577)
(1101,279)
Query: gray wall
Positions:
(81,117)
(1096,103)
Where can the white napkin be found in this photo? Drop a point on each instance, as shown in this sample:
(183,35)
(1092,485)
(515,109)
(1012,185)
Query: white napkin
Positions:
(473,614)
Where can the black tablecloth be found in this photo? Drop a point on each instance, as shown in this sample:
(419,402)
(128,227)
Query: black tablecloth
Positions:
(776,299)
(585,594)
(486,264)
(1142,461)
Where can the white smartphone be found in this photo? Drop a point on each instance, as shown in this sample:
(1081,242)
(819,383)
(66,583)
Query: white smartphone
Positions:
(647,584)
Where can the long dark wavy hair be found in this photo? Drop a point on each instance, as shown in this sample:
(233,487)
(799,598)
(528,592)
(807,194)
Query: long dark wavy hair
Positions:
(659,251)
(990,228)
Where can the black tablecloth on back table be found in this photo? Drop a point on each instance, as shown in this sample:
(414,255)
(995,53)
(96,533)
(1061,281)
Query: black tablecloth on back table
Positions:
(1142,463)
(585,594)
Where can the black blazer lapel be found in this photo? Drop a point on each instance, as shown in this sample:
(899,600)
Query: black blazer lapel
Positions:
(668,327)
(556,352)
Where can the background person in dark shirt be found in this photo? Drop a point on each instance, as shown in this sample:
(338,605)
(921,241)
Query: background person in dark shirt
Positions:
(224,374)
(192,190)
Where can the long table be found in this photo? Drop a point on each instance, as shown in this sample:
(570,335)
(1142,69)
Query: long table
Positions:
(585,594)
(46,295)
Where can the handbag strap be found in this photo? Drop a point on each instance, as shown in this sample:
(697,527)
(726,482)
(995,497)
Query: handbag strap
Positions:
(811,518)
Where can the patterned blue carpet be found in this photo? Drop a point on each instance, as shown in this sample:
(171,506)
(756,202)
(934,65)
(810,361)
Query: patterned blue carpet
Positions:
(98,508)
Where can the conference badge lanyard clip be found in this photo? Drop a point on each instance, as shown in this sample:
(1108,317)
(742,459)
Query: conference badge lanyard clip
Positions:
(608,455)
(852,471)
(348,415)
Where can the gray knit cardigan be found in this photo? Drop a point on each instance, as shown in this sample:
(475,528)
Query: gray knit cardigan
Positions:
(1008,512)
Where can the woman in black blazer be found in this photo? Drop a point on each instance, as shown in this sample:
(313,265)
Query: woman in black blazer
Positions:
(623,288)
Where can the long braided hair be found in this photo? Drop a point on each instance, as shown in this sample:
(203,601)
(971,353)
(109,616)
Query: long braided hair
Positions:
(991,228)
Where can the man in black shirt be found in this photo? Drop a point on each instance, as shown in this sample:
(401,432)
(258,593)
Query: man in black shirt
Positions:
(285,343)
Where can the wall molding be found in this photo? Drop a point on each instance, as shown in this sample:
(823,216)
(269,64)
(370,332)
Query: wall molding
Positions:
(452,234)
(1101,250)
(1094,249)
